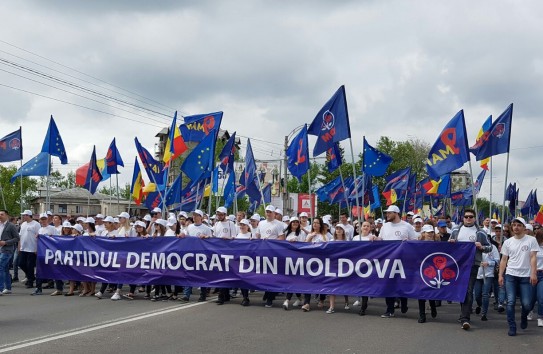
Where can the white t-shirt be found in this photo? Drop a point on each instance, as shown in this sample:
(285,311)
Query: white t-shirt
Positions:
(224,229)
(28,233)
(106,233)
(399,231)
(100,228)
(319,238)
(492,258)
(292,237)
(48,230)
(198,230)
(467,234)
(540,258)
(270,229)
(362,238)
(518,251)
(242,236)
(126,232)
(169,233)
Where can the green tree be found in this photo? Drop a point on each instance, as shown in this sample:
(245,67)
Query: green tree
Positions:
(11,193)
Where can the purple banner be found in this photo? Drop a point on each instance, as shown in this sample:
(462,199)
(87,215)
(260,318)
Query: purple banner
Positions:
(413,269)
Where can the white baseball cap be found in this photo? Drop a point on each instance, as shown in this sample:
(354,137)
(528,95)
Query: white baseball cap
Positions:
(99,216)
(245,222)
(286,218)
(124,214)
(78,227)
(303,214)
(379,221)
(140,223)
(162,222)
(520,220)
(26,212)
(270,208)
(81,218)
(278,211)
(156,210)
(494,220)
(415,220)
(392,209)
(183,214)
(410,213)
(89,220)
(428,228)
(44,216)
(108,219)
(67,224)
(222,210)
(255,217)
(147,217)
(198,212)
(294,219)
(529,227)
(169,223)
(115,220)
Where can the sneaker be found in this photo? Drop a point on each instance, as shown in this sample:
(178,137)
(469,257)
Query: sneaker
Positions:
(305,308)
(404,309)
(512,331)
(501,309)
(245,302)
(184,299)
(330,310)
(36,292)
(201,299)
(24,280)
(483,318)
(433,312)
(422,318)
(285,305)
(362,312)
(116,297)
(387,315)
(219,302)
(234,294)
(347,307)
(155,298)
(297,303)
(530,316)
(56,293)
(6,292)
(477,310)
(98,295)
(147,296)
(540,322)
(269,304)
(356,303)
(466,325)
(523,322)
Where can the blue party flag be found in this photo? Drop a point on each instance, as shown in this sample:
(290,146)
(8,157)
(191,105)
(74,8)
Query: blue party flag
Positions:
(375,162)
(93,174)
(333,158)
(11,147)
(298,155)
(266,193)
(331,124)
(173,194)
(226,157)
(197,127)
(229,192)
(200,162)
(450,150)
(154,168)
(113,159)
(497,139)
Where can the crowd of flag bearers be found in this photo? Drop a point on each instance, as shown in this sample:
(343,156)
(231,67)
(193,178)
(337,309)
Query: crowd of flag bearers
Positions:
(508,260)
(507,264)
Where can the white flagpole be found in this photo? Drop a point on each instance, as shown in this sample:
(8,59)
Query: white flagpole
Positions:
(490,187)
(47,198)
(505,190)
(473,193)
(345,195)
(355,183)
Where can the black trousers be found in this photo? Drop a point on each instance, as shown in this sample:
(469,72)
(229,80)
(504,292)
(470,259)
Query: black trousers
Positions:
(27,262)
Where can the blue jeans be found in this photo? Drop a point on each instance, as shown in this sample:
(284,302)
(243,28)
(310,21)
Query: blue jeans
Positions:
(5,277)
(525,289)
(538,294)
(481,291)
(465,306)
(499,292)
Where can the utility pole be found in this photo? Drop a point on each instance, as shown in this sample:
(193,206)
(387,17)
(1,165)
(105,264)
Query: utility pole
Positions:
(285,190)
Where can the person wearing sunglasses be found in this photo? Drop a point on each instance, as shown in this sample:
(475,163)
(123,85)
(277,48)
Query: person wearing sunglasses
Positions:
(469,231)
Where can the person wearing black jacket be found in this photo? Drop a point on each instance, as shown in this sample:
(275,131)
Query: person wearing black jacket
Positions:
(8,241)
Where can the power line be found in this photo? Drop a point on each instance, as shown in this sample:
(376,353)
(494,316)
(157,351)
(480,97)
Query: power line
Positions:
(78,105)
(87,75)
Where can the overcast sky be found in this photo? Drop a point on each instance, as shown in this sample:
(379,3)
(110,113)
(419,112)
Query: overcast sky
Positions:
(408,67)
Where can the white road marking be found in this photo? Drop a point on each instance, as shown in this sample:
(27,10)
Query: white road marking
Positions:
(95,327)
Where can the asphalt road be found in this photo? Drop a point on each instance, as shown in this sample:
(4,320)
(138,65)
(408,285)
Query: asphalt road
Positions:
(31,324)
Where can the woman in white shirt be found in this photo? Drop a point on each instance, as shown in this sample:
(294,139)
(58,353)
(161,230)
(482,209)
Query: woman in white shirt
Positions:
(484,281)
(171,226)
(538,289)
(294,233)
(125,230)
(244,234)
(317,235)
(339,235)
(428,234)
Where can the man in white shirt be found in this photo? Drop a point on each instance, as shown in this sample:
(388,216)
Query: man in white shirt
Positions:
(304,222)
(254,220)
(417,225)
(395,229)
(28,246)
(44,230)
(519,257)
(224,229)
(99,225)
(349,229)
(270,229)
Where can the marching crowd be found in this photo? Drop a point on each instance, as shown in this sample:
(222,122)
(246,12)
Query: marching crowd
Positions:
(508,260)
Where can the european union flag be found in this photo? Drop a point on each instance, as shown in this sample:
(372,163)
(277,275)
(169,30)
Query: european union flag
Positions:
(497,139)
(200,162)
(53,143)
(37,166)
(323,192)
(93,174)
(113,159)
(331,124)
(226,157)
(298,155)
(197,127)
(450,150)
(333,158)
(398,181)
(173,195)
(11,147)
(375,162)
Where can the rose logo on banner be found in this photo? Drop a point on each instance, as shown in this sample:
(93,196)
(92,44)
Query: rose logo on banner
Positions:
(439,269)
